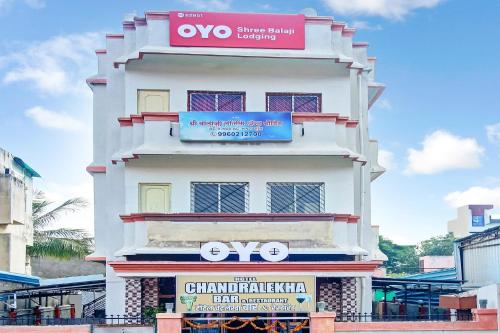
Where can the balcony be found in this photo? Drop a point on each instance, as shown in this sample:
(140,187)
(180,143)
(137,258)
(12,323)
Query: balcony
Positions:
(323,233)
(313,134)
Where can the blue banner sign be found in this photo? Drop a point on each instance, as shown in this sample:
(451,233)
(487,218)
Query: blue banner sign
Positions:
(478,220)
(235,126)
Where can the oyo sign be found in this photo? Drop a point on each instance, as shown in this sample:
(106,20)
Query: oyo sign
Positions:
(217,251)
(267,31)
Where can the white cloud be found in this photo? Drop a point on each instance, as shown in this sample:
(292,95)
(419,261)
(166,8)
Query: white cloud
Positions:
(493,132)
(217,5)
(364,25)
(443,151)
(36,4)
(393,9)
(52,119)
(5,5)
(473,196)
(56,66)
(386,159)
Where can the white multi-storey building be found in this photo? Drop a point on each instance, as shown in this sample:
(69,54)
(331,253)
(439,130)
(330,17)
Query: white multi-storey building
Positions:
(16,225)
(170,196)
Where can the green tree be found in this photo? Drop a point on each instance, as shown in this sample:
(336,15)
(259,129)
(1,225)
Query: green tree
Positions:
(437,246)
(402,259)
(62,243)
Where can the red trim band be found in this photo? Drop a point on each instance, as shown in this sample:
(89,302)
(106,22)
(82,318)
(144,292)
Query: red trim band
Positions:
(338,26)
(115,36)
(238,217)
(319,19)
(101,51)
(179,266)
(297,118)
(96,259)
(348,32)
(96,169)
(157,15)
(360,44)
(97,80)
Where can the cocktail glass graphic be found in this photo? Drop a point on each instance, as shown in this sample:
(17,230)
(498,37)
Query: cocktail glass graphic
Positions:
(301,298)
(189,301)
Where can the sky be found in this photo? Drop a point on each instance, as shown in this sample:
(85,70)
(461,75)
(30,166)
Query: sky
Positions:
(437,123)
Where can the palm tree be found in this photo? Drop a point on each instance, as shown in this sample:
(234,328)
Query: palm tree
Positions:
(60,243)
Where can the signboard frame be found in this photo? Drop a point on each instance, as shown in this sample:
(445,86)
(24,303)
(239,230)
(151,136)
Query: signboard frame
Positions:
(239,126)
(290,293)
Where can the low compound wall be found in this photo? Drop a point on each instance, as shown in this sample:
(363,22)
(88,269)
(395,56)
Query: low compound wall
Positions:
(485,321)
(46,329)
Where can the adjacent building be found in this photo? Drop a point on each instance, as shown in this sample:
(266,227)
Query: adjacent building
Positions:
(233,164)
(16,226)
(472,219)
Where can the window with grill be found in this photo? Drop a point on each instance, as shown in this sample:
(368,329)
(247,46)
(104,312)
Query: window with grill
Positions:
(295,197)
(219,197)
(216,101)
(284,102)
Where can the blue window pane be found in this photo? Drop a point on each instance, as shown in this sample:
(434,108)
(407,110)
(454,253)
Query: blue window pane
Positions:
(206,198)
(230,102)
(306,104)
(202,102)
(279,103)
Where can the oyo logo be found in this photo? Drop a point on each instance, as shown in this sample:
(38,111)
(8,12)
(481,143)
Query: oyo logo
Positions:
(217,251)
(219,31)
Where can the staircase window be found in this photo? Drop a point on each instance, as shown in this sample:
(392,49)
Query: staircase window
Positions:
(295,198)
(219,197)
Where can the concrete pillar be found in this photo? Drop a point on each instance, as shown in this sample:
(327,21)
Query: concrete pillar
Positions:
(170,322)
(321,322)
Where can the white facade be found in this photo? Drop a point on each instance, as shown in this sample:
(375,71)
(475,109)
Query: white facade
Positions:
(132,148)
(16,225)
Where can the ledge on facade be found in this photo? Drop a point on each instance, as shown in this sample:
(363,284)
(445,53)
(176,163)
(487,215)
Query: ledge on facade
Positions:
(375,90)
(96,169)
(297,118)
(139,54)
(238,217)
(131,251)
(96,80)
(95,258)
(305,266)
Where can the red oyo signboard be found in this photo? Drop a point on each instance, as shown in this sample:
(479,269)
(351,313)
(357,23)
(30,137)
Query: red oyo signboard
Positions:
(260,31)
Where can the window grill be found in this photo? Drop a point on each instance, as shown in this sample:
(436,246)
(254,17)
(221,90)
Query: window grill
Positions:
(289,102)
(219,197)
(295,198)
(216,101)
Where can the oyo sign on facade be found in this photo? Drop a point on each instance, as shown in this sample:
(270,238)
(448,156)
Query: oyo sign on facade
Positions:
(266,31)
(217,251)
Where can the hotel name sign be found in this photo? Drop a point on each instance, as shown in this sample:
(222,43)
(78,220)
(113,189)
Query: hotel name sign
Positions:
(266,31)
(252,293)
(218,251)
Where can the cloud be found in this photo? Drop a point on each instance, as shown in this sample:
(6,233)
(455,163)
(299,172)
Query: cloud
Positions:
(5,5)
(386,159)
(473,196)
(217,5)
(493,132)
(443,151)
(392,9)
(56,66)
(36,4)
(364,25)
(52,119)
